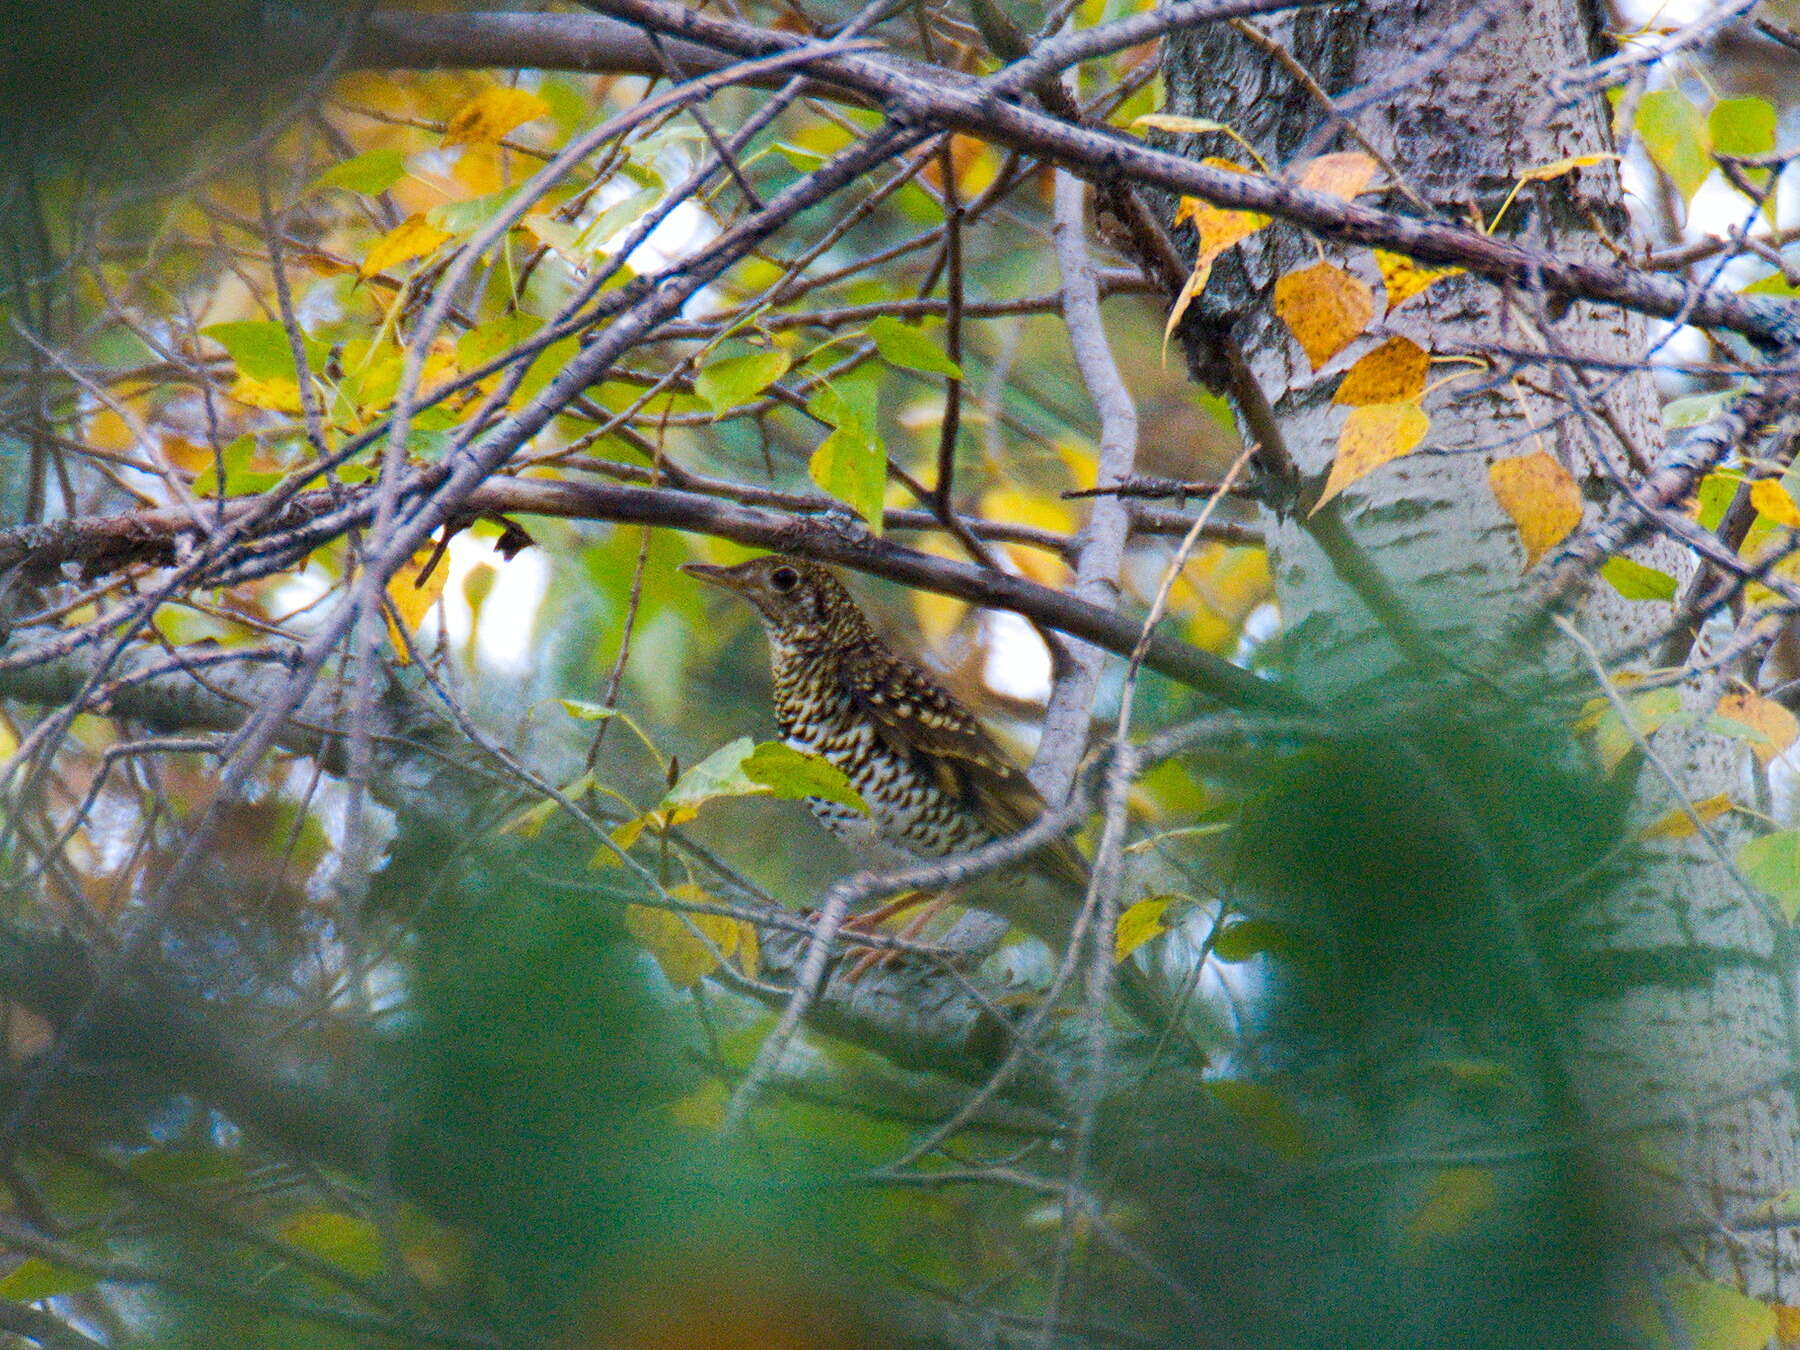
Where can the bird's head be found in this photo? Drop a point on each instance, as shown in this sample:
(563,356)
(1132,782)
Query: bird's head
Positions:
(798,602)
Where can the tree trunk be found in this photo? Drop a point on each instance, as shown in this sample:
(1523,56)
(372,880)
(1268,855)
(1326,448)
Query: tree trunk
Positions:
(1685,1018)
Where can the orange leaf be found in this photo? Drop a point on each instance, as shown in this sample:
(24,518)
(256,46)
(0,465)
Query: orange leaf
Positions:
(1342,175)
(1372,436)
(412,238)
(1787,1325)
(1541,498)
(1776,728)
(1324,308)
(491,114)
(1403,278)
(1393,373)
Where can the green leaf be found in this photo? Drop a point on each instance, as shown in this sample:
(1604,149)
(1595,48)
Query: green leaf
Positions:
(1773,284)
(736,380)
(1742,126)
(347,1242)
(243,475)
(794,774)
(616,218)
(1713,497)
(370,174)
(35,1278)
(1676,139)
(1271,1121)
(1635,581)
(720,774)
(483,343)
(851,465)
(260,348)
(1772,862)
(1697,408)
(903,345)
(1247,938)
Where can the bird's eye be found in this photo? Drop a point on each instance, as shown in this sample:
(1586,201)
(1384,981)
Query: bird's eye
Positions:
(784,579)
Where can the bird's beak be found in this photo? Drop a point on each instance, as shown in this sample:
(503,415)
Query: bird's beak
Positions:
(725,577)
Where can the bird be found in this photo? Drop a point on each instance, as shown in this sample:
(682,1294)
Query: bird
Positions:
(936,781)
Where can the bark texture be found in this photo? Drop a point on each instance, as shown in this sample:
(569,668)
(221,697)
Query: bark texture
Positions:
(1684,1009)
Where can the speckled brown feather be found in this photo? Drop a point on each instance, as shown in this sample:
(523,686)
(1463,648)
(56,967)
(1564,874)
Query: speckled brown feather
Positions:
(917,716)
(937,782)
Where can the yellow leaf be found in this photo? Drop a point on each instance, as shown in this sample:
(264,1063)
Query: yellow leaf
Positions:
(412,238)
(1403,278)
(1195,283)
(1228,583)
(1342,175)
(1772,500)
(275,395)
(1217,229)
(1324,308)
(1393,373)
(478,169)
(1453,1201)
(1562,166)
(1679,824)
(491,114)
(679,941)
(1017,506)
(1139,923)
(1776,728)
(1371,437)
(1541,498)
(413,597)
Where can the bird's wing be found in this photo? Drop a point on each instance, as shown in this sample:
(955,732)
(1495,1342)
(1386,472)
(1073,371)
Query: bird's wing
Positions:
(918,718)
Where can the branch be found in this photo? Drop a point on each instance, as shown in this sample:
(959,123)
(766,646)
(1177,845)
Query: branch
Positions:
(1103,537)
(946,99)
(155,536)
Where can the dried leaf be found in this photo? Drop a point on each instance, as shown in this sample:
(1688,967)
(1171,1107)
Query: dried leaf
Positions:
(1403,278)
(1324,308)
(488,116)
(1342,175)
(1393,373)
(1372,436)
(1172,122)
(1540,496)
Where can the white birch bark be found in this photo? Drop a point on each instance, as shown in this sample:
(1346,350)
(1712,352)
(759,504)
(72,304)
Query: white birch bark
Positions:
(1698,1028)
